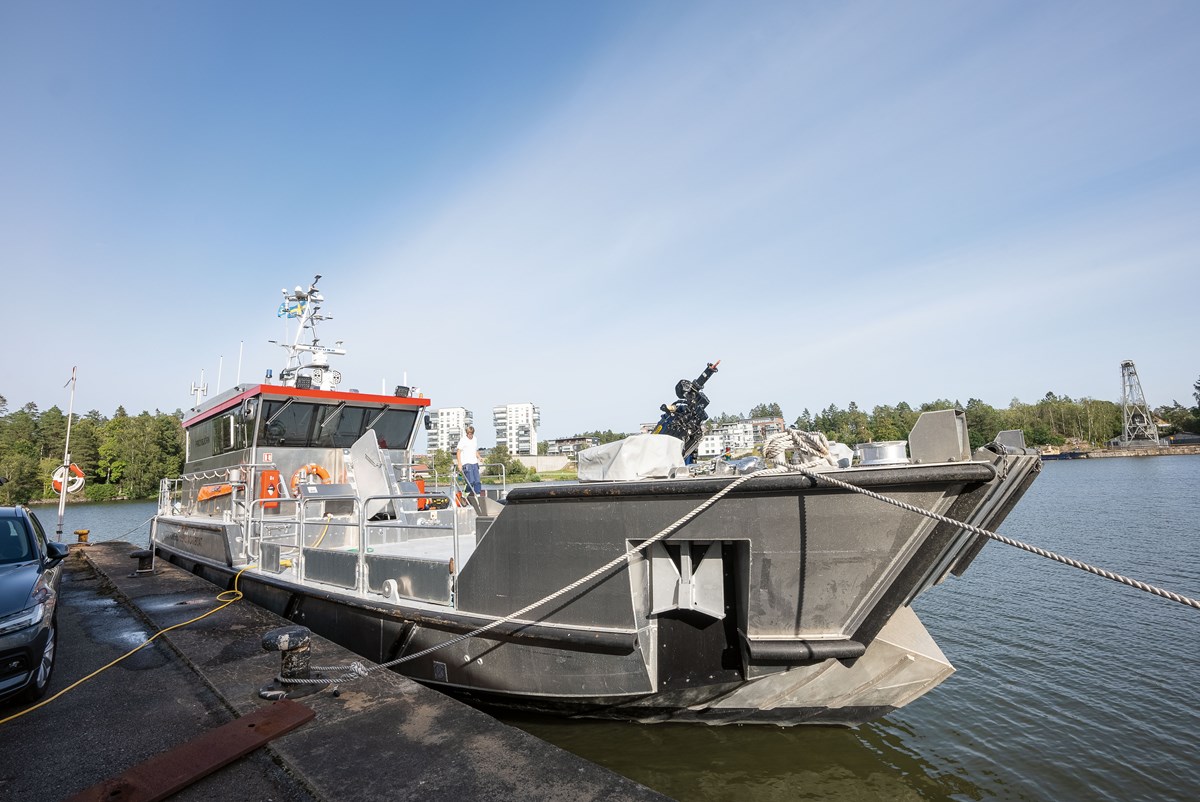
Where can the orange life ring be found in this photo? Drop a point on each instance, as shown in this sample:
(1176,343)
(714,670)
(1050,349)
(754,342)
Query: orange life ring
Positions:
(311,469)
(61,474)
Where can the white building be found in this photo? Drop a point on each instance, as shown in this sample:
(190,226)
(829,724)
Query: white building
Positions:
(570,445)
(711,445)
(446,426)
(738,437)
(516,428)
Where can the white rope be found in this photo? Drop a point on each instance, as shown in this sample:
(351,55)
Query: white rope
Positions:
(125,535)
(611,564)
(1091,569)
(814,447)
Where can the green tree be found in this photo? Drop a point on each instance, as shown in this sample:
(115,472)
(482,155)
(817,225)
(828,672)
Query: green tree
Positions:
(52,433)
(85,449)
(110,462)
(20,467)
(443,464)
(770,410)
(19,457)
(983,422)
(501,456)
(892,422)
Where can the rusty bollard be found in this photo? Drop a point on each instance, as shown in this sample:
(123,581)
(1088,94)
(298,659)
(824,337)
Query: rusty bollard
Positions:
(294,644)
(145,559)
(82,535)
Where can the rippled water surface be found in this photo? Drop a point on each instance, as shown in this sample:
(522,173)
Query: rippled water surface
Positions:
(1069,686)
(110,520)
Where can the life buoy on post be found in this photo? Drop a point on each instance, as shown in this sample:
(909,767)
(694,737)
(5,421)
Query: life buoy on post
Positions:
(62,473)
(311,469)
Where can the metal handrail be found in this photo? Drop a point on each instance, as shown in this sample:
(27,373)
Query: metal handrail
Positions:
(437,476)
(453,526)
(300,521)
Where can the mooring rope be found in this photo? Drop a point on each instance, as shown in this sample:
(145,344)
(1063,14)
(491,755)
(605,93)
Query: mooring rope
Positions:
(124,535)
(356,669)
(775,444)
(814,446)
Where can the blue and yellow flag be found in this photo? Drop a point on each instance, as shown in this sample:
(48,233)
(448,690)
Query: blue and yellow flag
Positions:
(290,309)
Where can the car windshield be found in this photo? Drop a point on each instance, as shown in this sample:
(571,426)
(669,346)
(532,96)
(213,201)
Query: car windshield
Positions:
(14,542)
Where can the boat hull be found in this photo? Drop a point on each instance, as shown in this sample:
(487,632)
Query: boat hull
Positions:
(787,603)
(901,664)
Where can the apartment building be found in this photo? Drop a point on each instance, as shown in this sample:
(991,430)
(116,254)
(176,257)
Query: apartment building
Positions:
(765,427)
(570,445)
(446,427)
(739,436)
(516,428)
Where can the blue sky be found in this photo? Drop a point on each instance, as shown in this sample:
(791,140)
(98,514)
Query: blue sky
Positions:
(577,204)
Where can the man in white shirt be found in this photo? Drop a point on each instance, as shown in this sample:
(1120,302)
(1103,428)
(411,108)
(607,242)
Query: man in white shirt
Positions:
(467,455)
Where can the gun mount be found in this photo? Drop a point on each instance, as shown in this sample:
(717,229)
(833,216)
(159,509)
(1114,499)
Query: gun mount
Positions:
(685,417)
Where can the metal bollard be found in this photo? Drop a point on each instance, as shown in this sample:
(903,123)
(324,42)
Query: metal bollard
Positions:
(145,559)
(294,644)
(82,535)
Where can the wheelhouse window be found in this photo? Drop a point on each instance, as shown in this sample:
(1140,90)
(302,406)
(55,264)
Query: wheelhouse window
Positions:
(340,426)
(287,423)
(393,427)
(336,425)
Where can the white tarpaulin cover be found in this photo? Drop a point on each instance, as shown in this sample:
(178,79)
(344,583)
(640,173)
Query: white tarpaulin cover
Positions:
(641,456)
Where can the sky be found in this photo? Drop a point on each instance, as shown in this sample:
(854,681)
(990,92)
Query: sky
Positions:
(578,204)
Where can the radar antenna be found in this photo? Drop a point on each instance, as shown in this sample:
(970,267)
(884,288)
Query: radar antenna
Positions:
(1140,429)
(316,373)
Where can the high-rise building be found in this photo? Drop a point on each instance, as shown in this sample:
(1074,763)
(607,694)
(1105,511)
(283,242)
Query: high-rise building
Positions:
(516,428)
(446,426)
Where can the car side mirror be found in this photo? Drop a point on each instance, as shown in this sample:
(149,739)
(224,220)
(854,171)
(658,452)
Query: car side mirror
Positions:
(56,553)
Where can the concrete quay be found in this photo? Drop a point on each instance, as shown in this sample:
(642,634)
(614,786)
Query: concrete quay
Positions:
(1107,453)
(382,737)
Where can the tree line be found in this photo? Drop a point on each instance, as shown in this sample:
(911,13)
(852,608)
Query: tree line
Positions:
(125,456)
(1053,420)
(122,457)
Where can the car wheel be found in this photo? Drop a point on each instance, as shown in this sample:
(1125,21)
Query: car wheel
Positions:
(45,667)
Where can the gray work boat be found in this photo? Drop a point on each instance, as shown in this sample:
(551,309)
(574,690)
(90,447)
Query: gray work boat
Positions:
(786,602)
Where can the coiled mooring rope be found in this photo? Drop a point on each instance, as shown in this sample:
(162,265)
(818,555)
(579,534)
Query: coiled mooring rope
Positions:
(812,445)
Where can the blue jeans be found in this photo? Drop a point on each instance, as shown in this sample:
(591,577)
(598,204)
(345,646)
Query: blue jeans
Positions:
(471,474)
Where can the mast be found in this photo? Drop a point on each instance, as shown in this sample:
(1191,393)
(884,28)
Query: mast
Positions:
(1139,423)
(316,373)
(66,463)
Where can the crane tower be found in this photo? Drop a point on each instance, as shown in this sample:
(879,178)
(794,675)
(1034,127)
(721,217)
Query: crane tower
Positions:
(1139,423)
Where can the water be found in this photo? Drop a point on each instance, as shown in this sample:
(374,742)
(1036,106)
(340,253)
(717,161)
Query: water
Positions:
(1069,686)
(110,520)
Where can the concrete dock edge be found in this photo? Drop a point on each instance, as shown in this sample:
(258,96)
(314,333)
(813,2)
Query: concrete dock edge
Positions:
(381,737)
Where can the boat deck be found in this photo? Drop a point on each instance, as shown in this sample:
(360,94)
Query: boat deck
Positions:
(419,568)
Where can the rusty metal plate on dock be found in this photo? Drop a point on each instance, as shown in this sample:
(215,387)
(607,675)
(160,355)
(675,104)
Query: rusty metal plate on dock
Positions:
(176,769)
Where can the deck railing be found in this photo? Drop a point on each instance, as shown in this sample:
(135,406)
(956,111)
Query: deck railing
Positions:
(340,549)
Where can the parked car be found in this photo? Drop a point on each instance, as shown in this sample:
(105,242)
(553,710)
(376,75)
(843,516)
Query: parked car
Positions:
(30,573)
